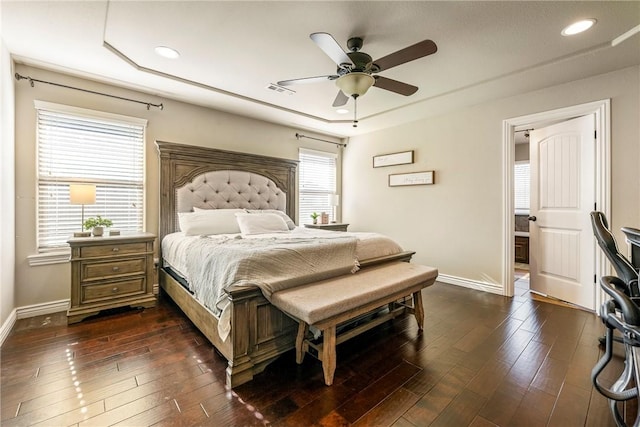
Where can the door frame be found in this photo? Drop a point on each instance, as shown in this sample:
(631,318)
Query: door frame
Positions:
(601,110)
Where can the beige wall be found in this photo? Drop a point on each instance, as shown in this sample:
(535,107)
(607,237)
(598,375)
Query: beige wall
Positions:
(456,224)
(178,122)
(7,187)
(521,152)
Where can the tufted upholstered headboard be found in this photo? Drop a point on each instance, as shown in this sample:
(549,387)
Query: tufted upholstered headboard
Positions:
(230,189)
(210,178)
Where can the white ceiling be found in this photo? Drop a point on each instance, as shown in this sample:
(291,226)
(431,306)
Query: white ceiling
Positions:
(232,50)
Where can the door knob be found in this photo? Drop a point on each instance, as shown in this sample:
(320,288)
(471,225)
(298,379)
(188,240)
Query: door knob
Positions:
(532,218)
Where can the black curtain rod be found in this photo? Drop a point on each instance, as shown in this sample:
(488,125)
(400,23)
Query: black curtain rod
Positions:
(32,80)
(339,144)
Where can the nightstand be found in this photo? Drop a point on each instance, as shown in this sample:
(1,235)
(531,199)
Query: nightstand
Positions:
(333,226)
(110,272)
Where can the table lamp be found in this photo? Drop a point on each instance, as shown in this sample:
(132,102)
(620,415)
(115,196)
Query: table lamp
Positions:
(334,202)
(82,194)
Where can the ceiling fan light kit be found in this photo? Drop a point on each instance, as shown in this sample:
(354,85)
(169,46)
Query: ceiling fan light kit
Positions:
(355,83)
(354,69)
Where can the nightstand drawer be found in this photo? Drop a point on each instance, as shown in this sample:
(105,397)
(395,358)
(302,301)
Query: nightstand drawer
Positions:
(113,249)
(106,291)
(101,270)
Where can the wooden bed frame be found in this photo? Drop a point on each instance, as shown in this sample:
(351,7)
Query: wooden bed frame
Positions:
(259,331)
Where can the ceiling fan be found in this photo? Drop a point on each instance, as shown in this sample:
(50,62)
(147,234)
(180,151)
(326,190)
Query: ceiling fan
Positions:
(354,75)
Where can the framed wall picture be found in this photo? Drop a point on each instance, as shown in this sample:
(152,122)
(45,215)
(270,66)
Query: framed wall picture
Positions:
(413,178)
(403,158)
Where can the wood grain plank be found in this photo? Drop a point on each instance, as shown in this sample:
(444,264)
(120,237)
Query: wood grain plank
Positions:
(429,407)
(75,416)
(571,407)
(389,410)
(478,421)
(122,413)
(534,409)
(330,399)
(370,396)
(551,376)
(489,378)
(461,411)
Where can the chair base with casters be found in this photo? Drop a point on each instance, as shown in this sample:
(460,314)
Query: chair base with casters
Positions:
(628,324)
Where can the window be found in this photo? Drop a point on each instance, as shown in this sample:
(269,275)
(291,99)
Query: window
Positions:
(89,147)
(317,175)
(521,187)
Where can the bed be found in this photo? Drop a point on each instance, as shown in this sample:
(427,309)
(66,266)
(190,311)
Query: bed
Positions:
(193,178)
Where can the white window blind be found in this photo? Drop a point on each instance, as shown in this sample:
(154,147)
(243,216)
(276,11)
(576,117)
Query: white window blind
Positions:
(521,187)
(83,146)
(317,174)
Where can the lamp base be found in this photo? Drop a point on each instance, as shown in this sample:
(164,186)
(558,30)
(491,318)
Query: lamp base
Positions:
(82,234)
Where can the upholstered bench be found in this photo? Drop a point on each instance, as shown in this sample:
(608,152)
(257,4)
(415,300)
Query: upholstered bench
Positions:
(330,302)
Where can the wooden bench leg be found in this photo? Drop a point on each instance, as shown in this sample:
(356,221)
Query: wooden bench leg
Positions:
(418,309)
(329,354)
(300,348)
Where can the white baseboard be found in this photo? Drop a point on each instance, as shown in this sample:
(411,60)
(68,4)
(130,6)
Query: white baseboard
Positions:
(44,308)
(31,311)
(7,326)
(493,288)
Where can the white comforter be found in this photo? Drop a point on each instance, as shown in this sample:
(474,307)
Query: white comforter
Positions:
(211,264)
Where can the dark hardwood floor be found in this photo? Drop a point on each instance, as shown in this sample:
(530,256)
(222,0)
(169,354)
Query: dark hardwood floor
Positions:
(483,360)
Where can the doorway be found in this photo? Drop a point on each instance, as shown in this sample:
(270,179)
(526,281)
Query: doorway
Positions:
(600,112)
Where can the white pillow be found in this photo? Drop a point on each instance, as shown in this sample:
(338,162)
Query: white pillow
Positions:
(209,221)
(261,224)
(290,224)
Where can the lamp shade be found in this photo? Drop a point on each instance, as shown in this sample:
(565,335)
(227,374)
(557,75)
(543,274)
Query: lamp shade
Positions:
(334,200)
(82,194)
(355,83)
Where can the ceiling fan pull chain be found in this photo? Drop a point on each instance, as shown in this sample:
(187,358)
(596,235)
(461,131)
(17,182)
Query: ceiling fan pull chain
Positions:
(355,111)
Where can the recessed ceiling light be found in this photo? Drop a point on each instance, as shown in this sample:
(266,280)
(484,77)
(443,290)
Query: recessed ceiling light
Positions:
(167,52)
(578,27)
(342,111)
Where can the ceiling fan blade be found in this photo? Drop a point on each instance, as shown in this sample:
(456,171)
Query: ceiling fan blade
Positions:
(316,79)
(341,99)
(395,86)
(418,50)
(330,46)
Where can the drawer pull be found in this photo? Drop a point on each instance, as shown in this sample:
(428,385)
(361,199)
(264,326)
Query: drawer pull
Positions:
(116,268)
(114,290)
(116,249)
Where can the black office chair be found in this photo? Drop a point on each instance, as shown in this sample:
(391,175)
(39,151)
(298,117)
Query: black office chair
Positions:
(624,269)
(623,314)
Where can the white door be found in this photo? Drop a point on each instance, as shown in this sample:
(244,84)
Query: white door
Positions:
(562,195)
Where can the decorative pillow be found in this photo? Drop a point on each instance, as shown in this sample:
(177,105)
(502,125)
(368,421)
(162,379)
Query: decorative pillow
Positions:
(261,224)
(209,221)
(290,224)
